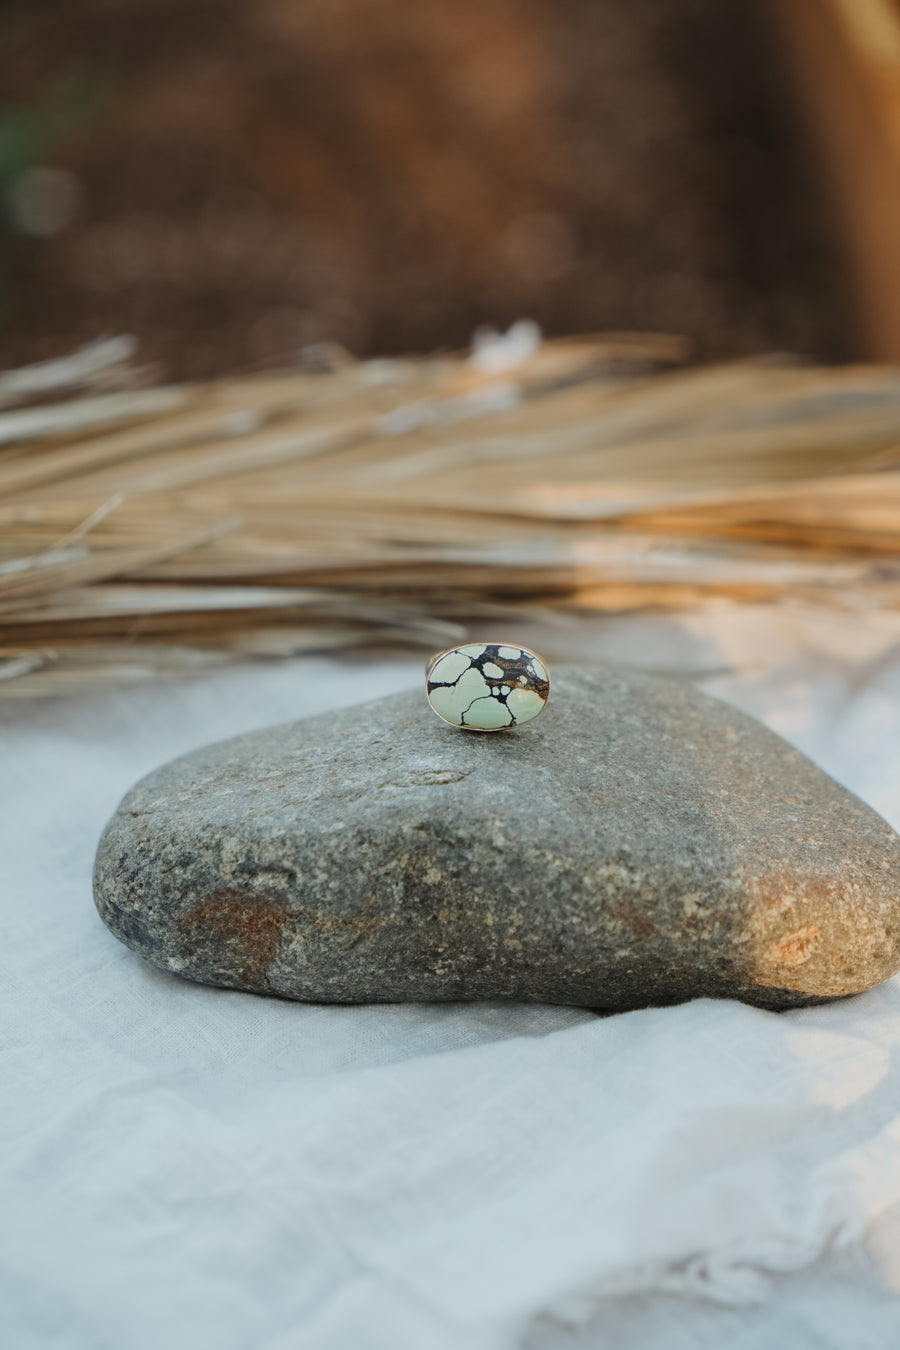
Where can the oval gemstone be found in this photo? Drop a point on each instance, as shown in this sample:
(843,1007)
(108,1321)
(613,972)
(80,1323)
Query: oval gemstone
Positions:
(485,686)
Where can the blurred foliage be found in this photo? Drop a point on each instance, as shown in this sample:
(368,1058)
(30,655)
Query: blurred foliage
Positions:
(31,132)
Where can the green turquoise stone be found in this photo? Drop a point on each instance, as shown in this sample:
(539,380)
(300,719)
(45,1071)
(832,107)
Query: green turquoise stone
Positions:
(486,686)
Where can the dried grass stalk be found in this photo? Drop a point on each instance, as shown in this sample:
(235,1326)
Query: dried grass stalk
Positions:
(160,531)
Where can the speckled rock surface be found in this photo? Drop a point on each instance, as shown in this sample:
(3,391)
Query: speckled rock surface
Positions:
(640,843)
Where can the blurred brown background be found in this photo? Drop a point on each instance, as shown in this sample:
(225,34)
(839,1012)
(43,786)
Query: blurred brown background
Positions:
(233,180)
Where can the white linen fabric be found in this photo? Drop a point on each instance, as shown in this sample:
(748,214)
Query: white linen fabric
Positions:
(184,1167)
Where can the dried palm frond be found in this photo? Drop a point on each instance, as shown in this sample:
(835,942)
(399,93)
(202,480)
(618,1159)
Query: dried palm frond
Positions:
(397,500)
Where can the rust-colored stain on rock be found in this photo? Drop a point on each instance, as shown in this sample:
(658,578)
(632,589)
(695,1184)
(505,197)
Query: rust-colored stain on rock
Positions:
(250,933)
(797,947)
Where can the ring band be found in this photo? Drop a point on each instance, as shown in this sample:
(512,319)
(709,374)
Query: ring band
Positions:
(487,686)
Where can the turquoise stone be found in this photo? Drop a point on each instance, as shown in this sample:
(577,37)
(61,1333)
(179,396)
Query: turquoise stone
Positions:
(486,686)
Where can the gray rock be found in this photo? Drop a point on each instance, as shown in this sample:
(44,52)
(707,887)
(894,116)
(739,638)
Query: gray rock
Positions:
(641,843)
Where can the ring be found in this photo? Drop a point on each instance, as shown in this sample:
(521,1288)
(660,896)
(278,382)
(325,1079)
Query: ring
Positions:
(487,686)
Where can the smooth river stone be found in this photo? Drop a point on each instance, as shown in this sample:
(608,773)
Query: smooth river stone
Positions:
(642,843)
(486,686)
